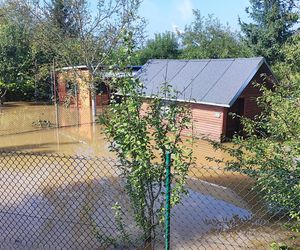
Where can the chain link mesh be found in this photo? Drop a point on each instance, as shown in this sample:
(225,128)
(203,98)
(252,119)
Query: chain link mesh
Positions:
(54,201)
(62,202)
(51,201)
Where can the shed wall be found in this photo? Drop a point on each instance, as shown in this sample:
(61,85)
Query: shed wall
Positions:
(208,121)
(81,78)
(84,95)
(248,99)
(251,93)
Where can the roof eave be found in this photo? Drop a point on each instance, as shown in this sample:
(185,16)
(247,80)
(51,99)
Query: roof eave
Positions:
(73,67)
(193,101)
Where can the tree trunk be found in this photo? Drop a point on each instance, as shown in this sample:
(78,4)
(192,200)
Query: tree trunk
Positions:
(2,96)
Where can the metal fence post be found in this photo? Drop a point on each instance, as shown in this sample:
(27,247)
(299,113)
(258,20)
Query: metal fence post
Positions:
(55,96)
(168,200)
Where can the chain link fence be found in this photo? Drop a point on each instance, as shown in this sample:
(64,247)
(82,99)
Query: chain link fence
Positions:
(61,202)
(51,201)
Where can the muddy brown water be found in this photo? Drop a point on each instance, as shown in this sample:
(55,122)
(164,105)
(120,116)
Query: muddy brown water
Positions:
(220,212)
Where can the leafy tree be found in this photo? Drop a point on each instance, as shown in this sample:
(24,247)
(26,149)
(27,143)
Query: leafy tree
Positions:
(273,22)
(16,60)
(206,37)
(27,60)
(270,152)
(98,34)
(291,59)
(63,15)
(141,137)
(163,46)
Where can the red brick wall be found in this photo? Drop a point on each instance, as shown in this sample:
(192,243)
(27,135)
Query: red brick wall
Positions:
(84,95)
(61,90)
(62,95)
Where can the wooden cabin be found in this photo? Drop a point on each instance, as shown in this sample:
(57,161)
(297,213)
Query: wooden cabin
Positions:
(213,87)
(74,89)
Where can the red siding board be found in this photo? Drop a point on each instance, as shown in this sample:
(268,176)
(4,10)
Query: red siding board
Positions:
(250,95)
(206,121)
(102,99)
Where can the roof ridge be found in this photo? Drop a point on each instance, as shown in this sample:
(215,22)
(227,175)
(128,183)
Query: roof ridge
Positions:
(206,59)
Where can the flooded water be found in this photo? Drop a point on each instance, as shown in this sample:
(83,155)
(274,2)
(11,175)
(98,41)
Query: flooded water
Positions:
(47,197)
(19,131)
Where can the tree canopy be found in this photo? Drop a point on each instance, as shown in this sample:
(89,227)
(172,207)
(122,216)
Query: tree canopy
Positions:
(63,15)
(163,46)
(273,22)
(16,59)
(69,32)
(206,37)
(270,150)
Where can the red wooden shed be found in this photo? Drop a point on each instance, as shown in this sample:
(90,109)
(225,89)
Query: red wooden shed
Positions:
(214,88)
(73,87)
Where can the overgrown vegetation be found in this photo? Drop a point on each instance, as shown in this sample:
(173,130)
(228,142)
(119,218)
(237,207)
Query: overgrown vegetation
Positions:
(34,33)
(206,37)
(141,135)
(163,46)
(270,150)
(16,60)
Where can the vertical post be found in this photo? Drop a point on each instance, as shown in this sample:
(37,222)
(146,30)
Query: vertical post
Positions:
(77,106)
(168,201)
(35,81)
(93,95)
(55,98)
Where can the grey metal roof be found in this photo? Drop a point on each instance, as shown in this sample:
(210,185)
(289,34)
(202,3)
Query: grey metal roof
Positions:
(210,81)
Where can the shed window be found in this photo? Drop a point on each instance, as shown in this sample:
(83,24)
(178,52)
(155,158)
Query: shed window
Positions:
(71,88)
(101,88)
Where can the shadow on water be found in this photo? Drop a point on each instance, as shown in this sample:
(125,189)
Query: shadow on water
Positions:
(72,216)
(21,104)
(40,147)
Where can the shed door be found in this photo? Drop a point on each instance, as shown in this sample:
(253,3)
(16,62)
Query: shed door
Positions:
(234,125)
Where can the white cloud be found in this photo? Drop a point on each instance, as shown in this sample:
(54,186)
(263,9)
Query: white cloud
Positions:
(185,8)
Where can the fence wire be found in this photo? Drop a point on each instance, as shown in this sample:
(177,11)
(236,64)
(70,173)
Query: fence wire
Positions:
(60,202)
(51,201)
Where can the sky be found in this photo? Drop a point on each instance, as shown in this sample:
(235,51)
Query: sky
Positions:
(163,15)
